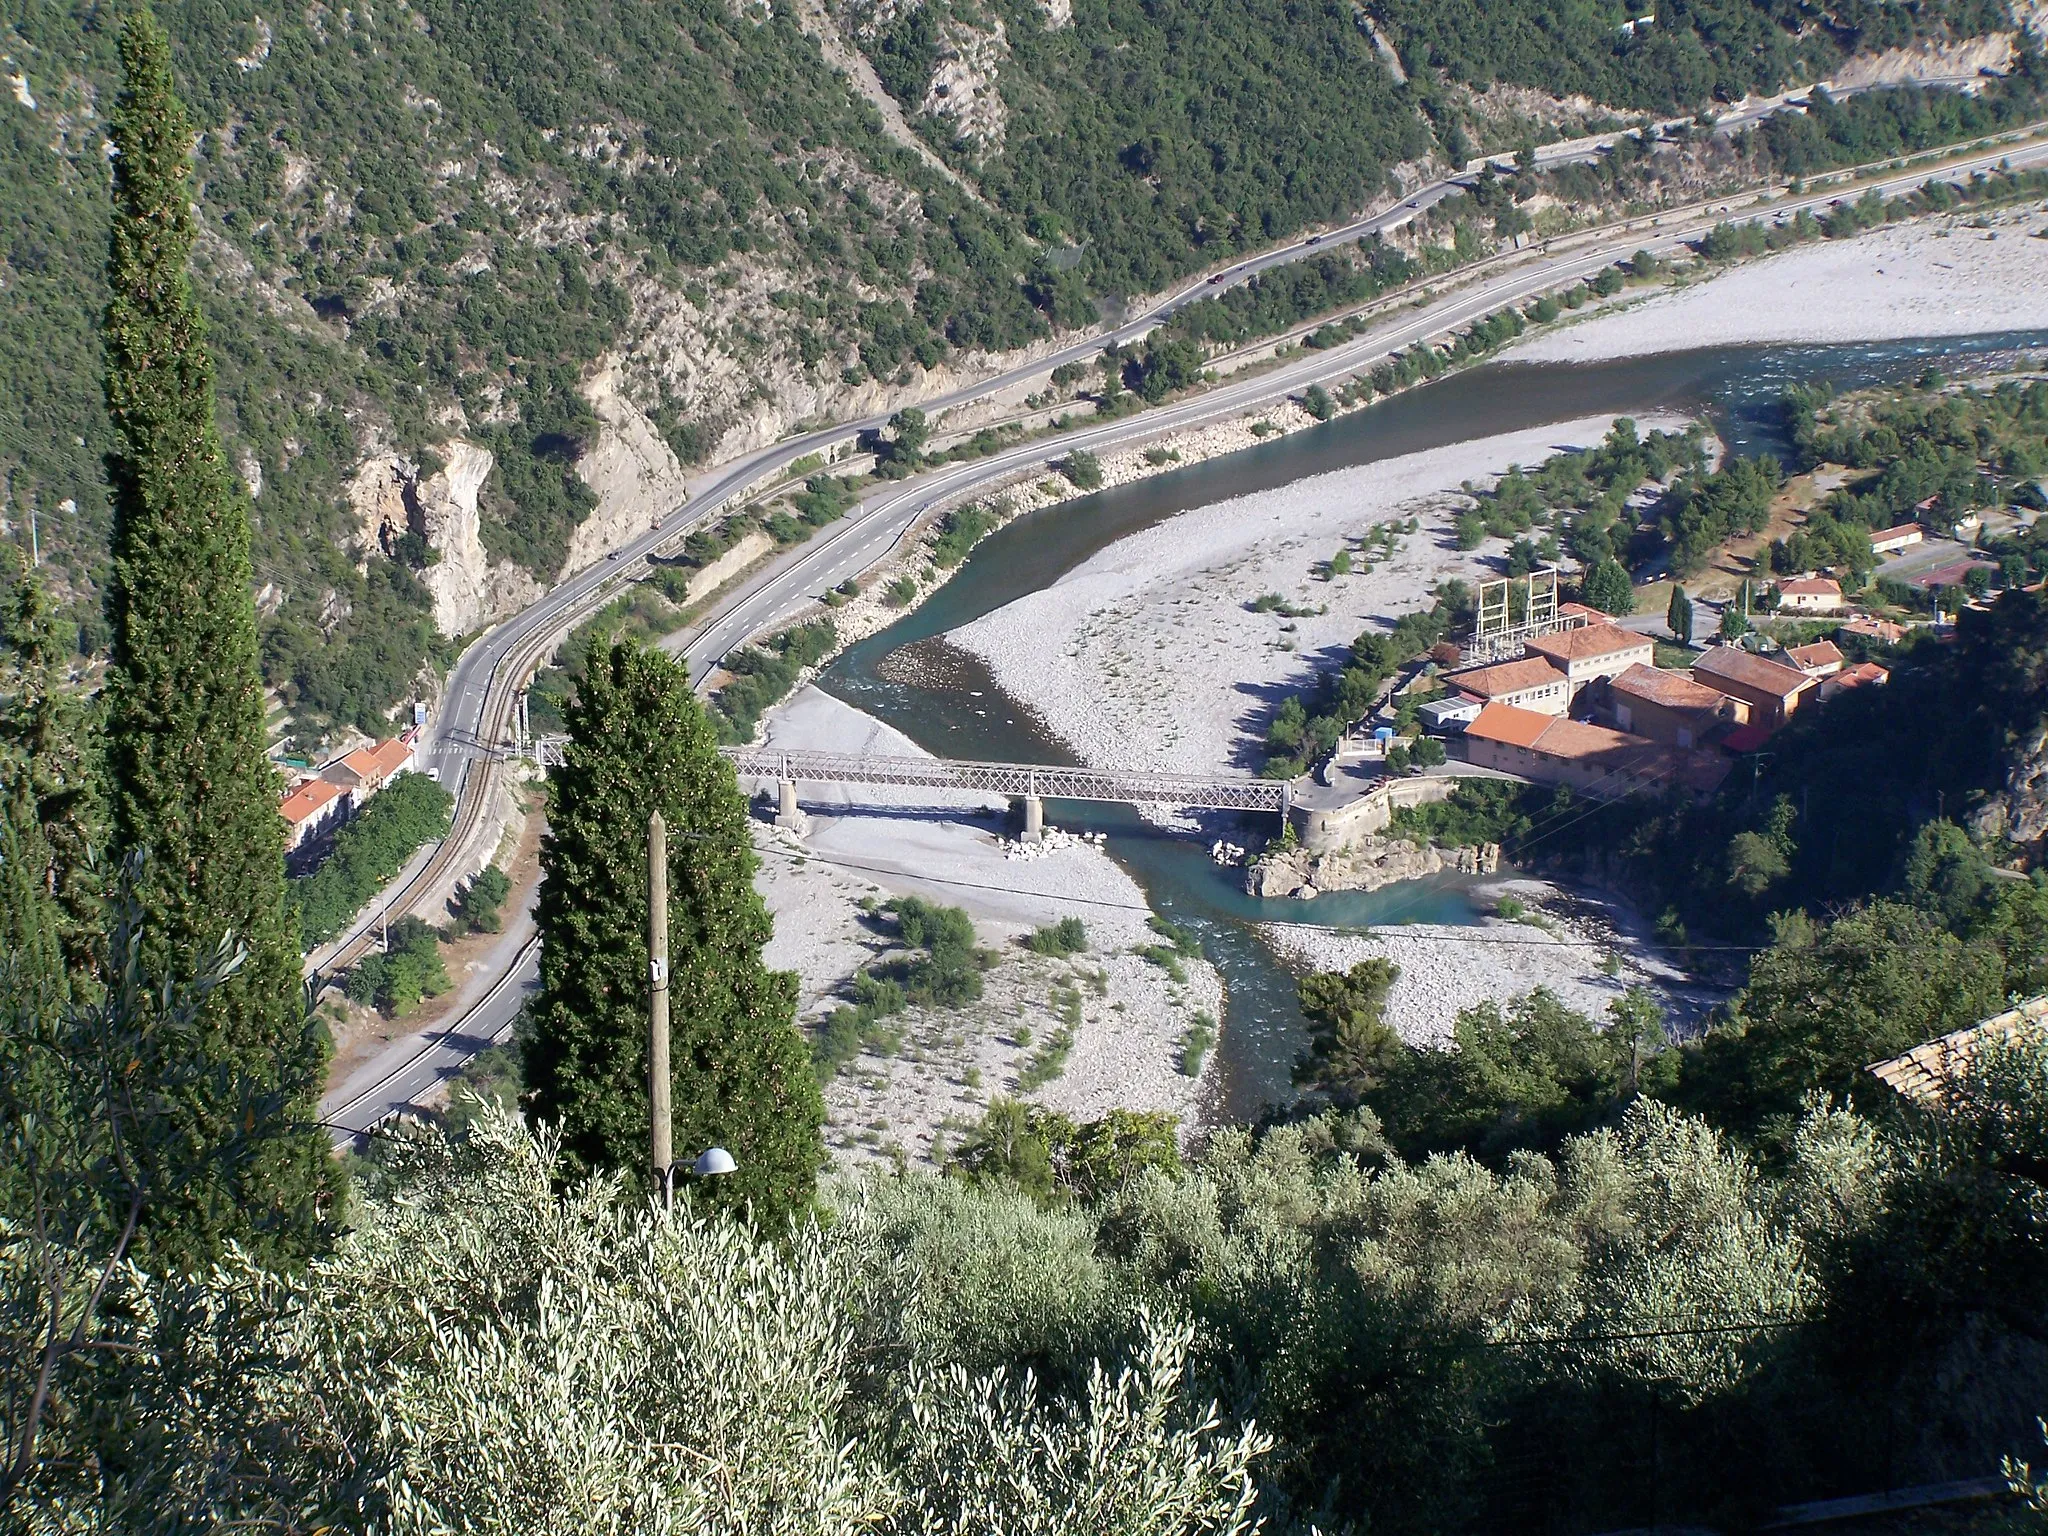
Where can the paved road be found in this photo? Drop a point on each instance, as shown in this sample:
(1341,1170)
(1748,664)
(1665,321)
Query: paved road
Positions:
(452,746)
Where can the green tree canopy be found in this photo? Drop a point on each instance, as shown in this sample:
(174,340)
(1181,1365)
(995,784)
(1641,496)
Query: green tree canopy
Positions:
(1608,588)
(1829,999)
(191,784)
(639,742)
(1352,1047)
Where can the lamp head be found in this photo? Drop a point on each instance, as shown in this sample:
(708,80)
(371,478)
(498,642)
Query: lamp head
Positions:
(714,1162)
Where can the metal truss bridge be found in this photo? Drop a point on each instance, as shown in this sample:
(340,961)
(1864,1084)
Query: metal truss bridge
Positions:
(1029,781)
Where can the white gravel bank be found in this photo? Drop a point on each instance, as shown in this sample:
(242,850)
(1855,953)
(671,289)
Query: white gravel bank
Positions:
(882,842)
(1935,277)
(1148,656)
(1446,969)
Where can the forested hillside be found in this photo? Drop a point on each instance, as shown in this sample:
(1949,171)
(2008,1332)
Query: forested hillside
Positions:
(431,219)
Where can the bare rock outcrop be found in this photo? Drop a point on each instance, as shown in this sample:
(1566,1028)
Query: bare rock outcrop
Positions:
(1364,865)
(391,500)
(2019,814)
(962,89)
(633,471)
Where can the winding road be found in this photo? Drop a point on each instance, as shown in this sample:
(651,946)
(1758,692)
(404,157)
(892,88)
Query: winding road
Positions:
(465,744)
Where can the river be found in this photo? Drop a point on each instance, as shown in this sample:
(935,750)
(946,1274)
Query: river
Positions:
(955,709)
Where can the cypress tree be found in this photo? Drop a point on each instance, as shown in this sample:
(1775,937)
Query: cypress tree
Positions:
(742,1079)
(1678,616)
(52,809)
(189,780)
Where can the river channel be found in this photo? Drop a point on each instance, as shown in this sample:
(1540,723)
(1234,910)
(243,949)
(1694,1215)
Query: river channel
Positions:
(958,711)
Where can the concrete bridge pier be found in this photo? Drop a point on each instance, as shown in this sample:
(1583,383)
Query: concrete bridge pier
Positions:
(1034,819)
(787,814)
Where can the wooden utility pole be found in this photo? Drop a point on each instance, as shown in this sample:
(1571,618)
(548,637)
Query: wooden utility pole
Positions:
(657,1007)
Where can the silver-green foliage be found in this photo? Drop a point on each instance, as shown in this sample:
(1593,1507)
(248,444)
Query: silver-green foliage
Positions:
(482,1352)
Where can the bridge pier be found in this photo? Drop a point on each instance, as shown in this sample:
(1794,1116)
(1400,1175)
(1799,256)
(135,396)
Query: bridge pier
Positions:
(788,815)
(1034,819)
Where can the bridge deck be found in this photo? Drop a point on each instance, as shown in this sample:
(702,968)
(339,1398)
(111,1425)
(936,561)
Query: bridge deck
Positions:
(1227,792)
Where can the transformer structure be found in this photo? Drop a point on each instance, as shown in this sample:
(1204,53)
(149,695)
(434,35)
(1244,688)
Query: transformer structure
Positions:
(1500,632)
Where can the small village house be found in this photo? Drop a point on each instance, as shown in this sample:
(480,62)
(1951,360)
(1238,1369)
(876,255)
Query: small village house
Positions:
(1890,541)
(310,809)
(1592,652)
(1668,707)
(1820,659)
(1769,691)
(1810,594)
(1531,683)
(368,769)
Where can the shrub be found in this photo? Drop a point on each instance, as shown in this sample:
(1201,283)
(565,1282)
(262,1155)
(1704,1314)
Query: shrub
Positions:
(1068,936)
(1083,469)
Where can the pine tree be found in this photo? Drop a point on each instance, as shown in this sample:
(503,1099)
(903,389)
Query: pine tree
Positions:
(1608,588)
(1678,616)
(189,780)
(639,742)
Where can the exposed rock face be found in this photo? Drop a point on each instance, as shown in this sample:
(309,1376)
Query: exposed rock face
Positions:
(962,89)
(634,473)
(2020,814)
(391,500)
(1364,865)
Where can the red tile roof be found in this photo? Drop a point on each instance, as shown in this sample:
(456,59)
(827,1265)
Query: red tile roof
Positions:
(380,761)
(1906,531)
(1733,664)
(308,800)
(1746,738)
(1589,641)
(1811,586)
(1811,658)
(1673,690)
(1511,726)
(1875,629)
(1507,677)
(1575,738)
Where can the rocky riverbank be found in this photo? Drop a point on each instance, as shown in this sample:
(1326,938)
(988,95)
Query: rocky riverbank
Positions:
(1365,864)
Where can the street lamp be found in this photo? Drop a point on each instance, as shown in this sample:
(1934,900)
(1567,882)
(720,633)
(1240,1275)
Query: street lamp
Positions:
(713,1163)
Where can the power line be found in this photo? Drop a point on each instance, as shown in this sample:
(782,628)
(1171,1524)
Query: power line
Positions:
(1370,931)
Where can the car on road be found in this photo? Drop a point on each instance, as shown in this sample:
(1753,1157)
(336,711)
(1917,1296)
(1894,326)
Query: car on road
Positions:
(613,555)
(657,524)
(1313,240)
(1217,278)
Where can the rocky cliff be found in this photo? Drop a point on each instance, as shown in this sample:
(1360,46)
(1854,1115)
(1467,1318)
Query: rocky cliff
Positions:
(403,514)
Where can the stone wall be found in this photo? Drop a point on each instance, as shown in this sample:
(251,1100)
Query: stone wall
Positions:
(1324,828)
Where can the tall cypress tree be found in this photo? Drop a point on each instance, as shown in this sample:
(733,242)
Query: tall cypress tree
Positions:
(639,742)
(1678,616)
(52,811)
(190,783)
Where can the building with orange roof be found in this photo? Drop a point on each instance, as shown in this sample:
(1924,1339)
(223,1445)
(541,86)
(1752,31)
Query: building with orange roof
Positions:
(1810,594)
(1531,683)
(1882,630)
(1668,707)
(368,769)
(1770,691)
(310,809)
(1604,764)
(1593,651)
(1823,658)
(1864,674)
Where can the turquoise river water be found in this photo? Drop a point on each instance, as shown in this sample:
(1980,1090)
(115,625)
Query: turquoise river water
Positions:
(963,714)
